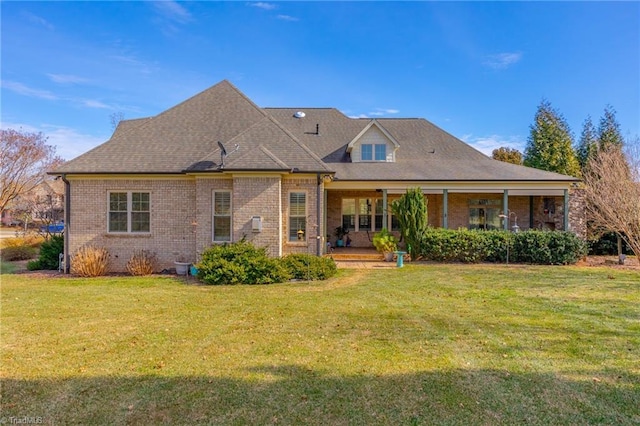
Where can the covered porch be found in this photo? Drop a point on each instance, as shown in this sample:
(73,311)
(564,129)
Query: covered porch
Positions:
(364,209)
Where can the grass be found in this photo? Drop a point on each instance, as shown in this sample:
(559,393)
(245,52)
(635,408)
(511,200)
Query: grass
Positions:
(451,344)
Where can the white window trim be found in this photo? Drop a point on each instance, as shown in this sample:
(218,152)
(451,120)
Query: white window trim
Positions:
(372,215)
(129,211)
(373,153)
(213,215)
(289,216)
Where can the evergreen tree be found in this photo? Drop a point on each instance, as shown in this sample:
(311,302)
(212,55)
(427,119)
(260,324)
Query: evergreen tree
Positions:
(508,155)
(550,145)
(609,130)
(588,143)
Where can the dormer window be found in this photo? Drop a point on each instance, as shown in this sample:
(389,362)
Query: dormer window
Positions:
(373,144)
(373,152)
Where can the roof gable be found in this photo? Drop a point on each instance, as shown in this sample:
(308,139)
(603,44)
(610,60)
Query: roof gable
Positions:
(364,131)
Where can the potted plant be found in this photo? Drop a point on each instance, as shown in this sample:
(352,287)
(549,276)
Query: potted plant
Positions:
(340,232)
(181,266)
(385,243)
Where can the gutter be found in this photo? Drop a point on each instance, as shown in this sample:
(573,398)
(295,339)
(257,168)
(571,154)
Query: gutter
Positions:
(67,222)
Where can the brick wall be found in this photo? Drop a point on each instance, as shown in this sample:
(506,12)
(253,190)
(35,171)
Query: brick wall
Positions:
(172,234)
(258,196)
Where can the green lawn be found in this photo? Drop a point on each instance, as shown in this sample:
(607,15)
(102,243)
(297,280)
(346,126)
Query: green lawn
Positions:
(450,344)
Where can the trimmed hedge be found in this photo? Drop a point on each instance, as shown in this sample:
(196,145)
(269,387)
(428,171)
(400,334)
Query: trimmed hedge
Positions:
(473,246)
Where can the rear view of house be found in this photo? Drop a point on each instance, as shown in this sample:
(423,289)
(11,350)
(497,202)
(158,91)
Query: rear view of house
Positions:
(217,168)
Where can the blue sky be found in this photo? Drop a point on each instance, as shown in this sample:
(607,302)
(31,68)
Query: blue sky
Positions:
(478,70)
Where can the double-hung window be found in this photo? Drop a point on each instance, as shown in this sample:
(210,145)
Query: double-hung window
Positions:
(221,216)
(297,215)
(373,152)
(129,212)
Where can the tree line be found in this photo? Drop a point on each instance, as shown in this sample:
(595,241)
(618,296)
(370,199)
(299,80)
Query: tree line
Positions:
(607,164)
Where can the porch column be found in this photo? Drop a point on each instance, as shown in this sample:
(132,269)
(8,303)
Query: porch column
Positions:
(384,209)
(566,210)
(445,208)
(505,209)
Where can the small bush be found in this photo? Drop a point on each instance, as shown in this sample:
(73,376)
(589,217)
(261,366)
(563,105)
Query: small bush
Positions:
(142,262)
(309,267)
(607,244)
(240,263)
(33,265)
(50,252)
(90,261)
(10,254)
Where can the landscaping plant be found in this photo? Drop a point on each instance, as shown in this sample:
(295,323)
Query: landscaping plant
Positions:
(240,263)
(49,256)
(142,262)
(90,261)
(305,266)
(411,211)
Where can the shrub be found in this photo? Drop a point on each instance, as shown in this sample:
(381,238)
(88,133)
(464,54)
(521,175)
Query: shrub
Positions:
(240,263)
(10,254)
(90,261)
(547,247)
(50,252)
(472,246)
(30,239)
(607,244)
(309,267)
(142,262)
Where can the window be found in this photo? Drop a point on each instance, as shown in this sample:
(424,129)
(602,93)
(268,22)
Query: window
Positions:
(129,212)
(378,219)
(297,215)
(366,152)
(368,215)
(221,216)
(364,214)
(370,152)
(349,213)
(484,214)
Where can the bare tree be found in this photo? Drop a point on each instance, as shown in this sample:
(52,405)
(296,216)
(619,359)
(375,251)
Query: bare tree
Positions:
(612,190)
(115,119)
(25,159)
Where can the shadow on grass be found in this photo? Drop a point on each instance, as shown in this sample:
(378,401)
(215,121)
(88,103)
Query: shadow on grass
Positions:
(295,395)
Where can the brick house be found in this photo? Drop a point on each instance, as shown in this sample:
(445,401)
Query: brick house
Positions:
(217,168)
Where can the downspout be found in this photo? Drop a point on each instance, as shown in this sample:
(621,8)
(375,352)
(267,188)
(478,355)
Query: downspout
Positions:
(318,213)
(67,222)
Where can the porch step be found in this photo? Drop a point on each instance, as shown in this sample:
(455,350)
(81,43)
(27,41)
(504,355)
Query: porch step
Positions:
(361,257)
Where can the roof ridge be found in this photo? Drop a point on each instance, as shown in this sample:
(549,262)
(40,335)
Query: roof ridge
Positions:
(273,156)
(217,85)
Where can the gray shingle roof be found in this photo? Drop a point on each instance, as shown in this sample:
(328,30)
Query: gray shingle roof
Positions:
(184,138)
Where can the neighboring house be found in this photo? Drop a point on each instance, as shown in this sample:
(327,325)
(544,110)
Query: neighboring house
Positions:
(43,204)
(290,176)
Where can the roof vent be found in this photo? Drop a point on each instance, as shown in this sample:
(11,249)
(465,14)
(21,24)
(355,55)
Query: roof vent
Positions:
(299,114)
